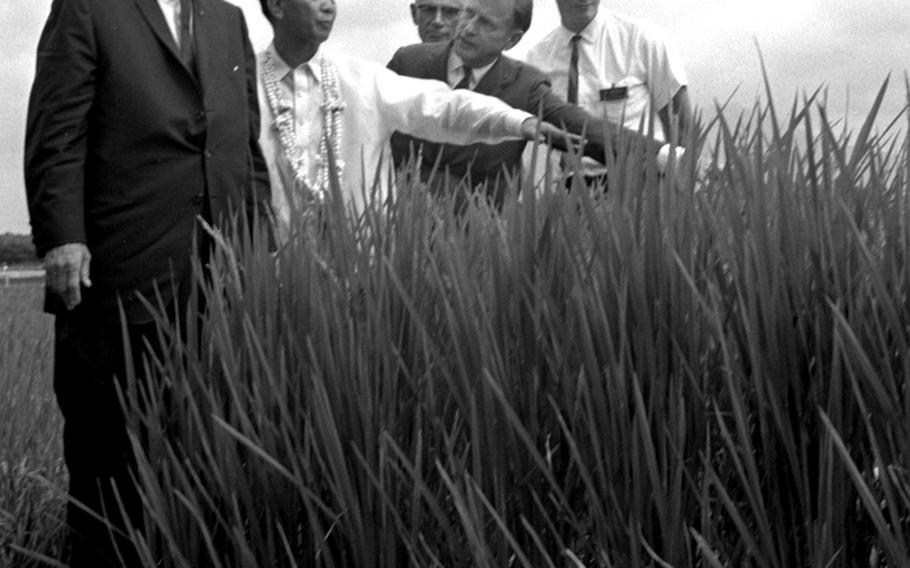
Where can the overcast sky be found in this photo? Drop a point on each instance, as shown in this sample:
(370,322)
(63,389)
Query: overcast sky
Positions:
(850,46)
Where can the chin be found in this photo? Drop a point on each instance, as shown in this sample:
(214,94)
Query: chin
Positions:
(465,57)
(436,36)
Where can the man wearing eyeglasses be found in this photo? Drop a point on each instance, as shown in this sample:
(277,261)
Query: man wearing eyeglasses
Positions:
(474,60)
(435,19)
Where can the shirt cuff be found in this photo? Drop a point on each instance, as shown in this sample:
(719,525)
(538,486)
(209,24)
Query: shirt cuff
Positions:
(514,118)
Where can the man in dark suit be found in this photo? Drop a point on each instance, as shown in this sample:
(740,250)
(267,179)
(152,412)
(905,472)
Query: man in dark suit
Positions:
(143,116)
(474,60)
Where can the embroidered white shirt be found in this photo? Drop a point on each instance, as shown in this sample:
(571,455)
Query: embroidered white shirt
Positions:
(303,90)
(377,103)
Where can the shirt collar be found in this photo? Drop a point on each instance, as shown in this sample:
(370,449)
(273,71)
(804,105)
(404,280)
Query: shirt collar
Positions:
(588,33)
(282,69)
(456,63)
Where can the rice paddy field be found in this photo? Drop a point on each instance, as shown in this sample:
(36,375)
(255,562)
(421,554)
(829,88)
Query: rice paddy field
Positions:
(706,368)
(32,474)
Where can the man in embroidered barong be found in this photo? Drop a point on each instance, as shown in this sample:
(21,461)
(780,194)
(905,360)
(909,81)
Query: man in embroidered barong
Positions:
(315,103)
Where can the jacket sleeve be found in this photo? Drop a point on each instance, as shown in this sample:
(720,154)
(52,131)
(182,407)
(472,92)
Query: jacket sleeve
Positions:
(57,126)
(569,117)
(395,63)
(599,134)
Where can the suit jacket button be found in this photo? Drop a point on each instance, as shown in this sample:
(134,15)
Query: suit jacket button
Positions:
(200,115)
(207,154)
(197,199)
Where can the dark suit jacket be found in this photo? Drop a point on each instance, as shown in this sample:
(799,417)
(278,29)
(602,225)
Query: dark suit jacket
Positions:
(519,85)
(125,145)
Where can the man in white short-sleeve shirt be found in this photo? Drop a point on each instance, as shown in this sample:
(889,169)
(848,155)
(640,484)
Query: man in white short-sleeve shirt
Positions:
(624,69)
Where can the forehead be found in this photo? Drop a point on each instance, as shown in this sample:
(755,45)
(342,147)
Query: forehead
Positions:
(440,3)
(498,9)
(574,5)
(309,4)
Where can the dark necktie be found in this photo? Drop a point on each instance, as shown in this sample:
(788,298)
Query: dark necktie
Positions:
(185,30)
(572,95)
(465,82)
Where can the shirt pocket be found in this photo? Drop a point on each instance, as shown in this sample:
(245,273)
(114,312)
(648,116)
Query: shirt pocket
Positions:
(620,101)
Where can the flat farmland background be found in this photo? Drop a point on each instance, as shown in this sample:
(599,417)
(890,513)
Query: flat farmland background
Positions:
(31,460)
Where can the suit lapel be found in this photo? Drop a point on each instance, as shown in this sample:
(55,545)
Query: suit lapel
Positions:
(203,31)
(151,11)
(497,78)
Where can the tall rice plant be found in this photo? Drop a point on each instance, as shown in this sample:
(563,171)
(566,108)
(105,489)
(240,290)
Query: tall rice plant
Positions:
(704,368)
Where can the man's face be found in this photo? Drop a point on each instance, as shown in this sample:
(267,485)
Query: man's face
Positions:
(576,14)
(307,20)
(435,19)
(485,29)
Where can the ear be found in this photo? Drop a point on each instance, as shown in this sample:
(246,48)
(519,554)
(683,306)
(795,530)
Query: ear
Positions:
(414,13)
(513,39)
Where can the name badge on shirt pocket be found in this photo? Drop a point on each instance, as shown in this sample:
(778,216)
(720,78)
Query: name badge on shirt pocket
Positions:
(614,94)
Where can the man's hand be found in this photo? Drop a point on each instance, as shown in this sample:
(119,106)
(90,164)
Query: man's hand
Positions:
(547,133)
(66,271)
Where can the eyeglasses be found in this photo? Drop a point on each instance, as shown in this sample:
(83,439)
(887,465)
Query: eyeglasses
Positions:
(425,10)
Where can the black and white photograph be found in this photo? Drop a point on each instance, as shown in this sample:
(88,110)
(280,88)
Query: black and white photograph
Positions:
(455,284)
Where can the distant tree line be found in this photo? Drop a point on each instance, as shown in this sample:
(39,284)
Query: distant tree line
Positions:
(17,249)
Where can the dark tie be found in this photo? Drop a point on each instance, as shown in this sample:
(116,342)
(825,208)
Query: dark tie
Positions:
(572,95)
(185,30)
(465,82)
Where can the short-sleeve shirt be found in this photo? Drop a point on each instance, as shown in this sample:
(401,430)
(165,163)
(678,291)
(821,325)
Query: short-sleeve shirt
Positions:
(617,55)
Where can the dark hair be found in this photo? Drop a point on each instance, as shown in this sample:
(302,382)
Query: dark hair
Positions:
(265,9)
(524,9)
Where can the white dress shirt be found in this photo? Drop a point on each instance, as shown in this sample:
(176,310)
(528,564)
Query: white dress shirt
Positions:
(377,103)
(171,11)
(614,51)
(456,68)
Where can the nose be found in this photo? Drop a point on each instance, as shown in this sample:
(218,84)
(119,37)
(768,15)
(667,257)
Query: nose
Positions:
(438,18)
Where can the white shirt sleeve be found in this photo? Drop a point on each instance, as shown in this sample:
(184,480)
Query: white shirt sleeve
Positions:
(432,110)
(666,74)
